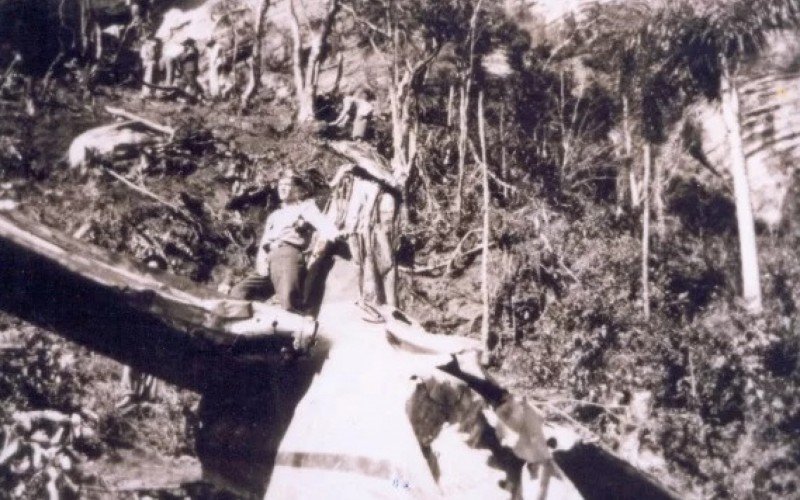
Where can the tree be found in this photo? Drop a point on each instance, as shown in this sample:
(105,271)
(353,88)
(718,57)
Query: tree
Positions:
(485,336)
(307,58)
(408,38)
(695,47)
(715,41)
(463,105)
(628,45)
(260,14)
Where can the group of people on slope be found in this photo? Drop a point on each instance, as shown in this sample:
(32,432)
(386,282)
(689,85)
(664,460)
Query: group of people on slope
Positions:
(181,71)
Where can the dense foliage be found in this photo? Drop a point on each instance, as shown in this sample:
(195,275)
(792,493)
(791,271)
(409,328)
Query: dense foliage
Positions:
(697,391)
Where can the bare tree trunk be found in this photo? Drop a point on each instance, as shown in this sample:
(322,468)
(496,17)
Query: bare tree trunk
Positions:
(306,76)
(627,141)
(255,65)
(450,98)
(751,284)
(503,164)
(235,53)
(647,157)
(85,13)
(98,42)
(463,110)
(485,338)
(463,105)
(403,102)
(658,197)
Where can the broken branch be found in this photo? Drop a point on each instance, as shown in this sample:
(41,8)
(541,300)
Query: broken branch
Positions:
(149,194)
(144,121)
(434,267)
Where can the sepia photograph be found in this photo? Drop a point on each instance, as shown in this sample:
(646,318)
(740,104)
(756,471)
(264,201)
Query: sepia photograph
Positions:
(399,249)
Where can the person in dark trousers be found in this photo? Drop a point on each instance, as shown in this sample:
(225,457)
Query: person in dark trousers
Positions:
(189,63)
(280,262)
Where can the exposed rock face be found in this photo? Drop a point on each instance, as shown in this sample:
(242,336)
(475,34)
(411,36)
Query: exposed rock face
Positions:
(770,107)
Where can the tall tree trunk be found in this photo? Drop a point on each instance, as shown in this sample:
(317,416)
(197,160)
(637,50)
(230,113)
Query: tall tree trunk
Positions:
(658,197)
(450,99)
(85,13)
(627,142)
(463,109)
(463,105)
(485,338)
(503,163)
(255,65)
(647,157)
(751,284)
(306,72)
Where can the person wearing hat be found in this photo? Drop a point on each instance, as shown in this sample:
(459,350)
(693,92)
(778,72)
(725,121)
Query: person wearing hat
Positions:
(280,262)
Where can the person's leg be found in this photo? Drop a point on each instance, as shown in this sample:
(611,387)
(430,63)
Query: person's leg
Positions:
(359,128)
(286,267)
(252,287)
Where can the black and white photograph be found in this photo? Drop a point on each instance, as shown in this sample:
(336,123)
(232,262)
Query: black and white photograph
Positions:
(399,249)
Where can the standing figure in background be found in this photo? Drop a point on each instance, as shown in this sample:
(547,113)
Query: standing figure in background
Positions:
(189,62)
(219,84)
(280,261)
(215,61)
(150,52)
(140,11)
(359,109)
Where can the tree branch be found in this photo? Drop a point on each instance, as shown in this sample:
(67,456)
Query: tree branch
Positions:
(365,22)
(144,121)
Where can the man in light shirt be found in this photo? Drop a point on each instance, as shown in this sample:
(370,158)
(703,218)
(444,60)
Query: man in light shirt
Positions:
(280,261)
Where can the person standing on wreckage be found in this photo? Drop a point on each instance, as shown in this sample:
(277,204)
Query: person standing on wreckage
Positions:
(280,266)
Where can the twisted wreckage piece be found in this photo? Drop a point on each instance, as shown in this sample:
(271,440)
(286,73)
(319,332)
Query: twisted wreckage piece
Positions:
(158,323)
(117,140)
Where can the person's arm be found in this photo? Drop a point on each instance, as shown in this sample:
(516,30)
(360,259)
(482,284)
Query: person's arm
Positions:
(345,113)
(326,230)
(271,232)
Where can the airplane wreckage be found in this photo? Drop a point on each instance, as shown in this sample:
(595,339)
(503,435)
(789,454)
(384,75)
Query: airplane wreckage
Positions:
(334,406)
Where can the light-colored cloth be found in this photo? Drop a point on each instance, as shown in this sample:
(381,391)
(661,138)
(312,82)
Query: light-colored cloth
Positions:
(293,224)
(360,111)
(150,53)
